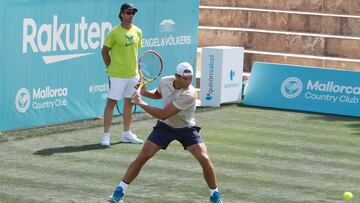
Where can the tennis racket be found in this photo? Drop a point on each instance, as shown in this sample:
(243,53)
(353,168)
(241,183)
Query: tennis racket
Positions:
(150,67)
(121,113)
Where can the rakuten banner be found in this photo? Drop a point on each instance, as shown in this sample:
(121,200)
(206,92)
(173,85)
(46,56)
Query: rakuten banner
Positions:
(51,68)
(314,89)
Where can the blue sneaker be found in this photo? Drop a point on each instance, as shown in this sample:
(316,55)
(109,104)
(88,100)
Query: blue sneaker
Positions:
(117,195)
(216,198)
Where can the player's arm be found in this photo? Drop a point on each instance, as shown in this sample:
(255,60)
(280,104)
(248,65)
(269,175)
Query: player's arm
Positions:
(162,114)
(106,55)
(153,94)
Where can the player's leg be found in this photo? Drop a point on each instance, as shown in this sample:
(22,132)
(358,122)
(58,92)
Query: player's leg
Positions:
(115,92)
(127,114)
(191,140)
(108,114)
(199,151)
(159,138)
(129,90)
(149,150)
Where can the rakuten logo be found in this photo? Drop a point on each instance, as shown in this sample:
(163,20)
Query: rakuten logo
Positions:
(55,36)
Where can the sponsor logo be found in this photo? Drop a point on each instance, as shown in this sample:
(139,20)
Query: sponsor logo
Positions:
(167,25)
(131,41)
(327,91)
(330,86)
(22,100)
(291,87)
(232,75)
(211,68)
(48,92)
(232,83)
(41,98)
(208,97)
(99,88)
(58,41)
(167,28)
(331,92)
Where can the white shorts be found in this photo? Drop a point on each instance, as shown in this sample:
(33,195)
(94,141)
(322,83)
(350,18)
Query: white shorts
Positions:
(121,87)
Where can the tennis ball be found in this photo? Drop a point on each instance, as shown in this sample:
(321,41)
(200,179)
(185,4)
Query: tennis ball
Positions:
(347,195)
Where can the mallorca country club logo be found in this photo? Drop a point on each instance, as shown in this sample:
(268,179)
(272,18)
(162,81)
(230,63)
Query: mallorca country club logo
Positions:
(22,100)
(291,87)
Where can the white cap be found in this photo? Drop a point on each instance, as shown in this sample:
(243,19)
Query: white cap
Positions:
(184,69)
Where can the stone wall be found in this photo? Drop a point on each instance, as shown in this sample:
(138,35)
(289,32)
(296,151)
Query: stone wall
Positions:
(349,7)
(324,33)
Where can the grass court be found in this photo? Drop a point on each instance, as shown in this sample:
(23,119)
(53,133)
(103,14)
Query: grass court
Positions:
(260,155)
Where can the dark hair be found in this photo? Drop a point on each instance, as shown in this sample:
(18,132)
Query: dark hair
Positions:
(120,15)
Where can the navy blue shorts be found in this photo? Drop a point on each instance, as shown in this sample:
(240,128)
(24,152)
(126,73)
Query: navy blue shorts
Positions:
(163,134)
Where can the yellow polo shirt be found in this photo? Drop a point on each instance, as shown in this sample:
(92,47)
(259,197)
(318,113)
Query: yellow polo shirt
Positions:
(124,46)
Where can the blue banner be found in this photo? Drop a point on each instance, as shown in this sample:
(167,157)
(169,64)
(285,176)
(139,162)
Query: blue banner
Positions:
(313,89)
(52,70)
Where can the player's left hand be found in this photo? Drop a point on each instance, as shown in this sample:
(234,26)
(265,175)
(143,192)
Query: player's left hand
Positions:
(136,99)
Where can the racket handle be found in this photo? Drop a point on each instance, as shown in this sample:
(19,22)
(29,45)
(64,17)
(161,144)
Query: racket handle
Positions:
(141,85)
(138,89)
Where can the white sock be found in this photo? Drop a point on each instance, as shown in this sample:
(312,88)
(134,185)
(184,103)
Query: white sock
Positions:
(213,190)
(106,137)
(123,185)
(126,132)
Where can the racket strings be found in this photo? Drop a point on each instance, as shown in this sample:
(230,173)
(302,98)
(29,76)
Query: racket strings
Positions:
(150,66)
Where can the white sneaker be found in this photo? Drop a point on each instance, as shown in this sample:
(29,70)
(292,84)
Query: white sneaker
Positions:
(131,138)
(105,140)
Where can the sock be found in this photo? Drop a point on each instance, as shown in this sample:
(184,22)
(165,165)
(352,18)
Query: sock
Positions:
(106,134)
(126,132)
(213,190)
(123,185)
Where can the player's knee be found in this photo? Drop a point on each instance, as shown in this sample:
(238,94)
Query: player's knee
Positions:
(141,160)
(138,163)
(204,159)
(127,101)
(110,103)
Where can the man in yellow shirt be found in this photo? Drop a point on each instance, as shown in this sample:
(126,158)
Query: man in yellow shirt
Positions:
(120,57)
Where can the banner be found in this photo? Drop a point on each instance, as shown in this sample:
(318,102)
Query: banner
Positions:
(313,89)
(52,70)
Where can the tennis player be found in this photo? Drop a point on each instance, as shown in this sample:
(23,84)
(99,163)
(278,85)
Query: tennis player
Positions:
(176,122)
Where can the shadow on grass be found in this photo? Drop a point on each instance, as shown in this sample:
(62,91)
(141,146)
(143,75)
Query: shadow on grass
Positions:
(72,149)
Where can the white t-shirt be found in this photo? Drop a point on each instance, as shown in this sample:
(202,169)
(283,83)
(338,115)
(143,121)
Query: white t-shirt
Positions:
(184,99)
